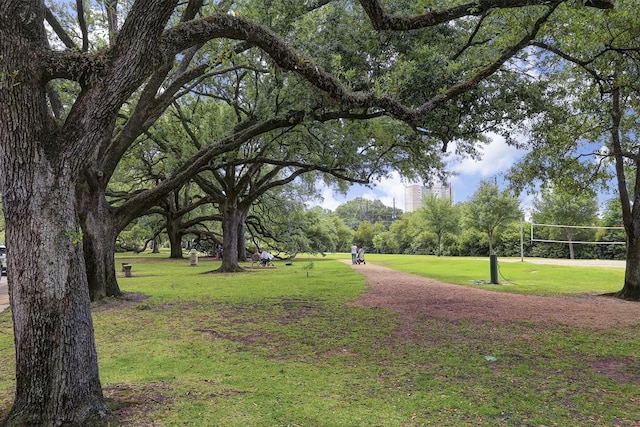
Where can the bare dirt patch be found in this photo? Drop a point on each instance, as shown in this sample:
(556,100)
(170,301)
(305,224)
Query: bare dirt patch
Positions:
(127,299)
(131,403)
(413,297)
(622,370)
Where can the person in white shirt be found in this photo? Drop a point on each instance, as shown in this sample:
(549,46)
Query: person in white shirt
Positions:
(354,253)
(265,258)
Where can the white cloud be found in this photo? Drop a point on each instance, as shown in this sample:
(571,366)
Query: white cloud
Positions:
(329,198)
(496,157)
(391,191)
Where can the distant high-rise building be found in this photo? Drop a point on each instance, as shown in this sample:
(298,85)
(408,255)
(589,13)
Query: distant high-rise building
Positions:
(413,197)
(443,191)
(413,194)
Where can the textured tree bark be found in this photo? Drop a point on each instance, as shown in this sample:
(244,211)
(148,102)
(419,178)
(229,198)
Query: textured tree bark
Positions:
(242,245)
(156,246)
(57,380)
(571,251)
(630,211)
(231,221)
(175,236)
(98,237)
(631,288)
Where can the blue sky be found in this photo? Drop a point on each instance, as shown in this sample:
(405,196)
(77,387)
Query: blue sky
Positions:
(497,158)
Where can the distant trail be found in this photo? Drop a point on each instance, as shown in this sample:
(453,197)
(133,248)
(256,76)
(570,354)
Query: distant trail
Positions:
(416,297)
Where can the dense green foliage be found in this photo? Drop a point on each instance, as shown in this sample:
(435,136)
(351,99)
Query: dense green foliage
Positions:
(556,207)
(439,217)
(438,228)
(490,209)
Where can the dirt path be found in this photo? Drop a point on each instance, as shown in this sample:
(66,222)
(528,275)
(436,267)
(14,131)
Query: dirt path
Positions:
(413,296)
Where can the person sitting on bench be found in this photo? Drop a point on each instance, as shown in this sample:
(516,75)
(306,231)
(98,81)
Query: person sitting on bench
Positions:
(266,258)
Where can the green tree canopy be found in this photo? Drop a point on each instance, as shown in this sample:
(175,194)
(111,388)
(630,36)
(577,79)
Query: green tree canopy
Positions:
(489,209)
(566,210)
(359,209)
(589,132)
(440,216)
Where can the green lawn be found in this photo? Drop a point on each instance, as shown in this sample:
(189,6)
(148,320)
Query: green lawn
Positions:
(513,276)
(283,347)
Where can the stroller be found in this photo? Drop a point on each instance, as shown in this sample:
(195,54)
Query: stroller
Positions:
(360,257)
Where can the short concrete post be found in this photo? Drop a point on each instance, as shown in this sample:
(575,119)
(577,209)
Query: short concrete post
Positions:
(193,258)
(127,270)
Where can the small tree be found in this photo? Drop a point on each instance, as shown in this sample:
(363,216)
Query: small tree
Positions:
(403,231)
(440,217)
(489,209)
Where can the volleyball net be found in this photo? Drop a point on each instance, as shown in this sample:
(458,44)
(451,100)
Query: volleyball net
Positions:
(577,234)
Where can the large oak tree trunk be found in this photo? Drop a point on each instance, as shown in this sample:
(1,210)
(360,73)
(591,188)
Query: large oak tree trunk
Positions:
(57,379)
(175,237)
(99,235)
(242,245)
(230,226)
